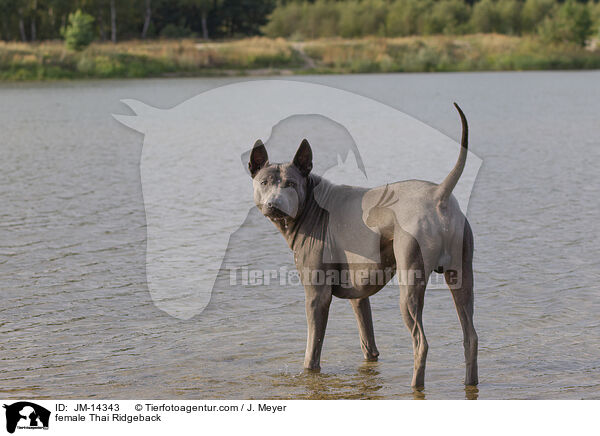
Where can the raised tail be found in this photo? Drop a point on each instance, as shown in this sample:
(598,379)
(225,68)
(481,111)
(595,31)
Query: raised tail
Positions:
(445,188)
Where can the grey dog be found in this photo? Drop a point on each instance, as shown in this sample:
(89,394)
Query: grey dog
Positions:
(408,229)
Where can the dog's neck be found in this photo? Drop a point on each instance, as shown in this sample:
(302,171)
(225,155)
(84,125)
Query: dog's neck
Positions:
(311,222)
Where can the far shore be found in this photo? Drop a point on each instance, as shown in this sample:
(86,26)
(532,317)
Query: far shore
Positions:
(264,56)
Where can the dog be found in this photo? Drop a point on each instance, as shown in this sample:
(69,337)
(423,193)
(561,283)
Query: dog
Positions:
(409,229)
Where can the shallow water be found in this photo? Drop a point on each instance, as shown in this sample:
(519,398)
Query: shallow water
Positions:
(76,316)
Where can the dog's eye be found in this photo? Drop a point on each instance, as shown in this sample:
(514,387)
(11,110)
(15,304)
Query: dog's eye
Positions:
(289,184)
(264,182)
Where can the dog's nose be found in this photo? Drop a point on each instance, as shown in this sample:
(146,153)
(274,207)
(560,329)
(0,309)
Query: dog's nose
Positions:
(274,204)
(272,208)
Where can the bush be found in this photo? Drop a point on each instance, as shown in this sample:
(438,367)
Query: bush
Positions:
(80,31)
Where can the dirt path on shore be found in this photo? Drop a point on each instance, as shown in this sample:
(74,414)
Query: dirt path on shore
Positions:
(309,63)
(298,47)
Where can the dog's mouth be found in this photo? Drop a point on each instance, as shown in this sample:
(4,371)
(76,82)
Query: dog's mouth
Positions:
(275,214)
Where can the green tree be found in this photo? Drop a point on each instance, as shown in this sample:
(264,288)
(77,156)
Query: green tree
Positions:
(572,22)
(510,14)
(54,20)
(113,21)
(284,20)
(486,17)
(321,19)
(534,12)
(406,17)
(360,18)
(21,15)
(7,12)
(595,13)
(449,17)
(80,30)
(204,7)
(147,17)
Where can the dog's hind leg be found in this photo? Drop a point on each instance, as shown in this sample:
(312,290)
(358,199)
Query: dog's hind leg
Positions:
(413,281)
(364,319)
(462,293)
(411,305)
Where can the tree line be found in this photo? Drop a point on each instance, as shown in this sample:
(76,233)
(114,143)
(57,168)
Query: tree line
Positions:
(554,20)
(113,20)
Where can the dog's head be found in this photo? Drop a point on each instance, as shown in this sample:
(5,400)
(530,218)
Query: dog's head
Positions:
(280,189)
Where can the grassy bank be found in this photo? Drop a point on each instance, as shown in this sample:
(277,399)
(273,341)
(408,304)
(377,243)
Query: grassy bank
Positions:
(480,52)
(51,60)
(263,56)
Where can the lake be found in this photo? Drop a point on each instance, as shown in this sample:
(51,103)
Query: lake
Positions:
(76,316)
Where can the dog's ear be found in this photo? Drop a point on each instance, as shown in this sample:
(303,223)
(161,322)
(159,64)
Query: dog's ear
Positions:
(303,158)
(258,158)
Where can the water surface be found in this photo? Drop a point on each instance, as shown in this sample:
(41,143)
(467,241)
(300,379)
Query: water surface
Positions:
(76,318)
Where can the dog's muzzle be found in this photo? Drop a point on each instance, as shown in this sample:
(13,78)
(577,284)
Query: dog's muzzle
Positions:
(274,213)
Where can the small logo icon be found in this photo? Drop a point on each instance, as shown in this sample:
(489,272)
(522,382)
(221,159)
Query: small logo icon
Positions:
(26,415)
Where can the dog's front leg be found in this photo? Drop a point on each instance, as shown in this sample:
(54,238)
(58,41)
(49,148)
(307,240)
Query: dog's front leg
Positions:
(318,300)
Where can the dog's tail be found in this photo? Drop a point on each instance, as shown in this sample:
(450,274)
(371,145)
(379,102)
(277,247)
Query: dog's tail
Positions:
(445,188)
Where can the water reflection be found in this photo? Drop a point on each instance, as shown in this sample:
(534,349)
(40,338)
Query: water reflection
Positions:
(418,394)
(363,384)
(471,393)
(367,381)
